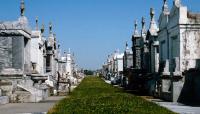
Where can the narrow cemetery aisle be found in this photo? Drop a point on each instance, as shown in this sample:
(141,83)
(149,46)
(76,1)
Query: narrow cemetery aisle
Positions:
(30,108)
(94,96)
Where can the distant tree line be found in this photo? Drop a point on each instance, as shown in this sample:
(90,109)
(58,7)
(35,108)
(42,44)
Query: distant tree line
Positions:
(88,72)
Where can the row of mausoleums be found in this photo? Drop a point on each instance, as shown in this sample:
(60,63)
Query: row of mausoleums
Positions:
(32,66)
(165,59)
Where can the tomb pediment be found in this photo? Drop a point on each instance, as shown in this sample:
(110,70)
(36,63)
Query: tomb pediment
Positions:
(174,16)
(178,15)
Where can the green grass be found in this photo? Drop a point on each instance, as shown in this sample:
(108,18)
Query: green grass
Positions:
(94,96)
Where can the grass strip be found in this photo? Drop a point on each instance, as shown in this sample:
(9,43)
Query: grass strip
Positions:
(94,96)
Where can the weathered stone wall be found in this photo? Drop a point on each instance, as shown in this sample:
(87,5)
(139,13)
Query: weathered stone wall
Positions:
(129,60)
(5,52)
(18,52)
(191,48)
(138,58)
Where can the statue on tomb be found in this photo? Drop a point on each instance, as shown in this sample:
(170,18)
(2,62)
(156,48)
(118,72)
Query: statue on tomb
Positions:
(22,8)
(177,3)
(126,44)
(143,23)
(36,21)
(143,29)
(165,8)
(153,27)
(50,28)
(42,29)
(152,13)
(136,31)
(143,32)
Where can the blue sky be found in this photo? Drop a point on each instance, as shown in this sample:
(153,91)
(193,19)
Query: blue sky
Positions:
(91,28)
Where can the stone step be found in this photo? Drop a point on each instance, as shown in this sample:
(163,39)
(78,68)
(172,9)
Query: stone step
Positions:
(27,88)
(36,95)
